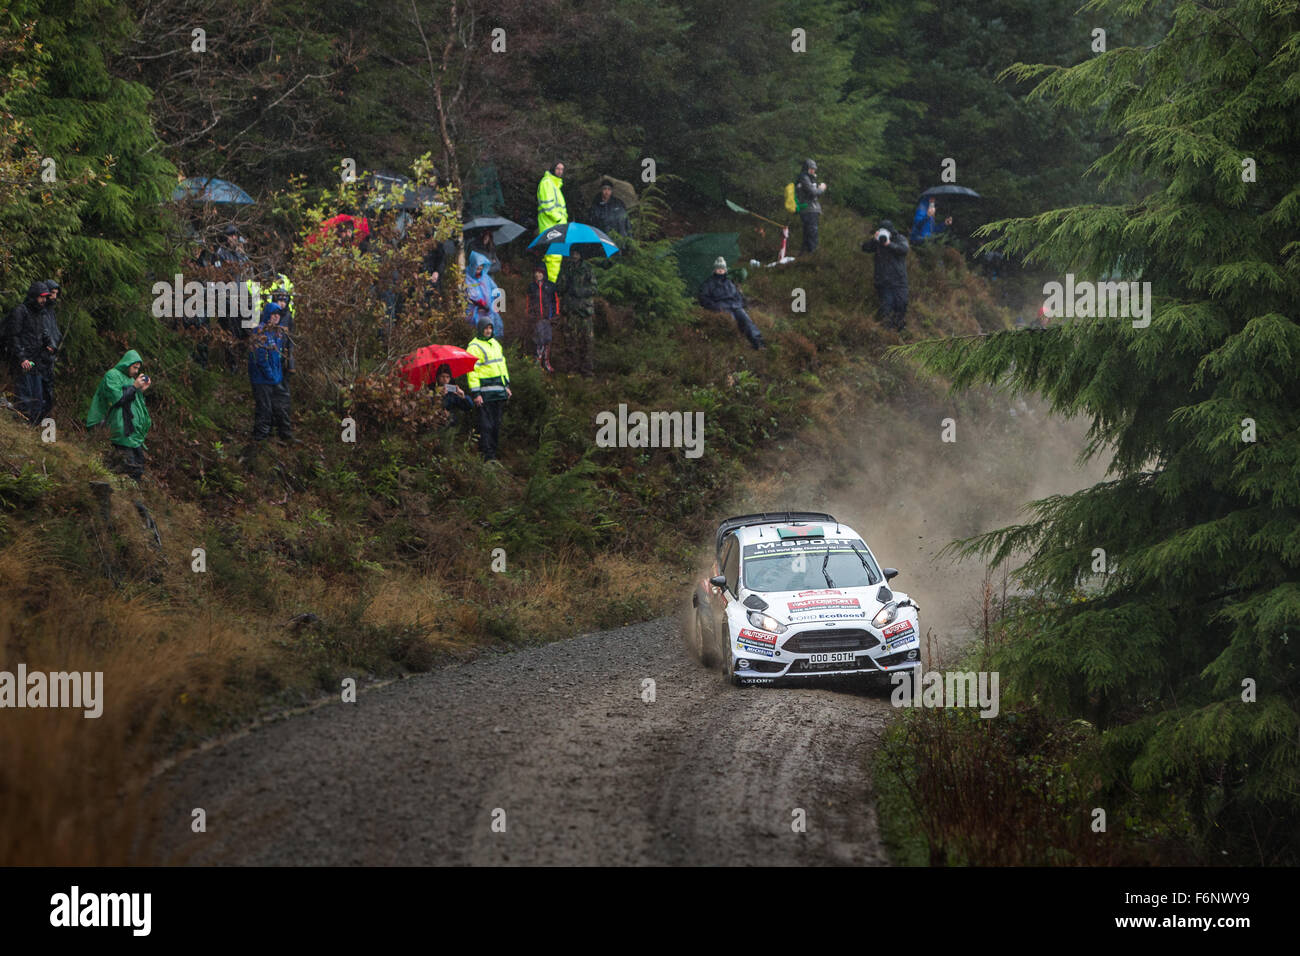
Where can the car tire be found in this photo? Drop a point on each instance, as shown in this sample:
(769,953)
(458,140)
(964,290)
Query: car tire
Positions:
(729,668)
(704,641)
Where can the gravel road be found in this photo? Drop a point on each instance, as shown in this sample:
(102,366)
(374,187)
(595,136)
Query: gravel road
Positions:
(559,738)
(557,743)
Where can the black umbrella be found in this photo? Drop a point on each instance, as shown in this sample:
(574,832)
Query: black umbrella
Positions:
(395,191)
(951,190)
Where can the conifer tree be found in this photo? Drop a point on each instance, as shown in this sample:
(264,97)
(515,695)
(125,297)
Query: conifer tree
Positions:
(1184,650)
(105,228)
(20,163)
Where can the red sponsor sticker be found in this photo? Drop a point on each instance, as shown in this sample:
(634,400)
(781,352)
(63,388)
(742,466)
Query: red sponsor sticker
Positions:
(899,628)
(824,591)
(814,603)
(760,636)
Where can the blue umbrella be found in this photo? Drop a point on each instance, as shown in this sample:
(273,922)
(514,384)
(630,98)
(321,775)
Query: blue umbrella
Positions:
(207,189)
(570,237)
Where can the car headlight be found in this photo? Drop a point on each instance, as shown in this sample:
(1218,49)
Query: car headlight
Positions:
(885,615)
(766,622)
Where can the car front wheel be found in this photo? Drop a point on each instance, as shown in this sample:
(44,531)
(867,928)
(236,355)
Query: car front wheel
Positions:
(729,668)
(704,641)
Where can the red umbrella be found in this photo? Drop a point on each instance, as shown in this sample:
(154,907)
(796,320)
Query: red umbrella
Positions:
(360,227)
(421,366)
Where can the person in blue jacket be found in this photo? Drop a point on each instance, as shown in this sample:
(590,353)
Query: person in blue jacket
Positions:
(923,222)
(266,367)
(481,291)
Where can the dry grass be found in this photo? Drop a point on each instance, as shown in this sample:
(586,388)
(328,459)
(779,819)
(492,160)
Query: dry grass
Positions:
(71,787)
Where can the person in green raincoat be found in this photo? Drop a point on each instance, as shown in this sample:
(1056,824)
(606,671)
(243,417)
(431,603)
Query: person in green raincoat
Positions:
(119,400)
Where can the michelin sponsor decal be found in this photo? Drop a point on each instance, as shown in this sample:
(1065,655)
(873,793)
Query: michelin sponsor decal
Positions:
(898,635)
(756,642)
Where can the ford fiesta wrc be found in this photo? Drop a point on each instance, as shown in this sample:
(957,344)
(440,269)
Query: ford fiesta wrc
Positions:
(800,595)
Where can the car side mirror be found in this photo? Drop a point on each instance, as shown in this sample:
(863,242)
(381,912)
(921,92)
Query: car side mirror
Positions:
(719,582)
(890,573)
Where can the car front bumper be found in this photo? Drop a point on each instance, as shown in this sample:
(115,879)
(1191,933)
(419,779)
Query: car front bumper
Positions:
(754,668)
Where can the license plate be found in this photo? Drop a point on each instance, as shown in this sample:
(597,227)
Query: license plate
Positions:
(838,657)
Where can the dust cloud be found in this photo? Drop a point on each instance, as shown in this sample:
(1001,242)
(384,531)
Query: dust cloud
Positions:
(909,493)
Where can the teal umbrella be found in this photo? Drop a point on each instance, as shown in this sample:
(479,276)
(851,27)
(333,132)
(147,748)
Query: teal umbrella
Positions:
(570,237)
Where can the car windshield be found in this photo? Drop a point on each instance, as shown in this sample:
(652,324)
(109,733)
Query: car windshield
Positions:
(803,571)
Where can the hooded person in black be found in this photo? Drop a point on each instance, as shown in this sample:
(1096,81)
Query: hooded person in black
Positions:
(21,327)
(51,319)
(890,249)
(608,213)
(31,340)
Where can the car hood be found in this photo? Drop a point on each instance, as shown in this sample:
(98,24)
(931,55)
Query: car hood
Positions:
(826,604)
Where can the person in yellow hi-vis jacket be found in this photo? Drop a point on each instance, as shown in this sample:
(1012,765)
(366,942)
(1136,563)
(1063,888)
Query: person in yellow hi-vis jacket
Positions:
(489,385)
(551,211)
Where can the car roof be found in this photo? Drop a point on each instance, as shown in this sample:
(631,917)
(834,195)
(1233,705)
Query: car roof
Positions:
(782,530)
(763,518)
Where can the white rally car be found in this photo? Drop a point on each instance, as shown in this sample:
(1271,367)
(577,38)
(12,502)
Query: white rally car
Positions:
(798,594)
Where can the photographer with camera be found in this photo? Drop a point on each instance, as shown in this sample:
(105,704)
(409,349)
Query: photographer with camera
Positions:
(890,249)
(267,367)
(452,396)
(925,222)
(119,400)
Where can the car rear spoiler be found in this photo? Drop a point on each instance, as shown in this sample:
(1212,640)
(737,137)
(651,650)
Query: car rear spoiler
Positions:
(768,517)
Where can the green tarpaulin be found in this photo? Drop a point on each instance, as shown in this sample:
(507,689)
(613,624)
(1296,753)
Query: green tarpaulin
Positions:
(695,254)
(483,196)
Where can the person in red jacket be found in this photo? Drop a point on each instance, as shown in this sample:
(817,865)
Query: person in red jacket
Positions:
(543,305)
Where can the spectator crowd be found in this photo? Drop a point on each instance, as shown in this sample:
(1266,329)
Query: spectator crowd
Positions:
(561,291)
